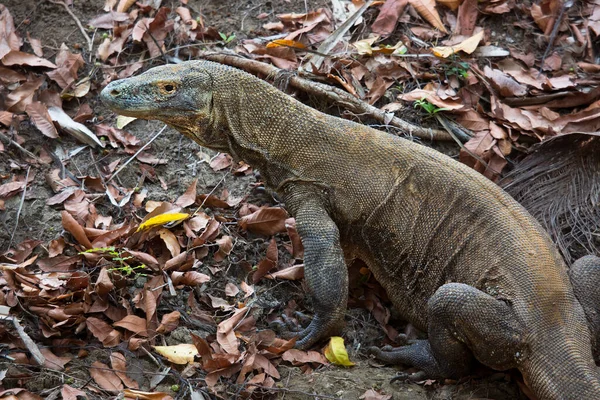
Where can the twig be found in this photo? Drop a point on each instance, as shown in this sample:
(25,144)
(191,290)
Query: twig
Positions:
(557,23)
(20,208)
(136,153)
(446,125)
(77,21)
(336,95)
(9,142)
(335,37)
(30,344)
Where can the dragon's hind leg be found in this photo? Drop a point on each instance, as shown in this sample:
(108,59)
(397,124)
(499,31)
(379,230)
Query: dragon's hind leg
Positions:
(463,324)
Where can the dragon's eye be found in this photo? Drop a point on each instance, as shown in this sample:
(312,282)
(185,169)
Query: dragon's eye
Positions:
(167,88)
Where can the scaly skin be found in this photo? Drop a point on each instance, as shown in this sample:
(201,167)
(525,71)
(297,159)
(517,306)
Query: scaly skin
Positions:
(459,258)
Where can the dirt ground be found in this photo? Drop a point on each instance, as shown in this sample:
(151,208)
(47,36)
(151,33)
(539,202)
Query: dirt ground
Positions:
(39,221)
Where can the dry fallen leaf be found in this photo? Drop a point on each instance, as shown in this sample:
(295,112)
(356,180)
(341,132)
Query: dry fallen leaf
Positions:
(371,394)
(105,377)
(76,129)
(427,10)
(119,364)
(38,113)
(292,273)
(266,221)
(140,395)
(336,352)
(178,354)
(162,219)
(468,46)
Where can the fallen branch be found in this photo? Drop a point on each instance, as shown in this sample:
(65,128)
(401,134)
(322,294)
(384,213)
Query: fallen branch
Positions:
(30,344)
(336,95)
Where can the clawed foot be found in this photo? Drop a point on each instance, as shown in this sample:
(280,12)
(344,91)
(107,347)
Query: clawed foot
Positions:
(417,353)
(317,328)
(412,378)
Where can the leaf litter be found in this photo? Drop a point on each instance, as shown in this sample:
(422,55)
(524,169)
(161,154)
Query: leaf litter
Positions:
(111,278)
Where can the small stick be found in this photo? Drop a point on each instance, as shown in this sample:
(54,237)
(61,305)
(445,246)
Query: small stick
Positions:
(30,344)
(77,21)
(20,208)
(10,142)
(136,153)
(335,94)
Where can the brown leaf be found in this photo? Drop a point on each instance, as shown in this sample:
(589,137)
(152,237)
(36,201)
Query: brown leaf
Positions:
(212,201)
(119,364)
(371,394)
(203,348)
(103,332)
(70,393)
(141,395)
(9,189)
(171,241)
(225,334)
(103,284)
(10,76)
(427,10)
(506,86)
(268,263)
(38,113)
(292,273)
(386,21)
(15,57)
(105,378)
(134,324)
(21,97)
(73,227)
(189,278)
(225,246)
(8,33)
(53,361)
(298,357)
(169,322)
(266,221)
(36,45)
(467,17)
(56,247)
(189,197)
(124,5)
(231,290)
(221,161)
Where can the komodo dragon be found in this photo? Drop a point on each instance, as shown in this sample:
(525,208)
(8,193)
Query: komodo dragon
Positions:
(459,258)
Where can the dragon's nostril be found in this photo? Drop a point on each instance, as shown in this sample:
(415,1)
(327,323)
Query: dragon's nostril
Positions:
(114,92)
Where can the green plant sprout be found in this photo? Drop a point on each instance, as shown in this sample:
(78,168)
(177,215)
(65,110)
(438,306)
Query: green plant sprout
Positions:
(460,69)
(428,107)
(116,256)
(227,38)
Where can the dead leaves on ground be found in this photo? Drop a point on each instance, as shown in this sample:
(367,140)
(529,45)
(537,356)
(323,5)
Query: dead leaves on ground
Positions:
(449,63)
(85,286)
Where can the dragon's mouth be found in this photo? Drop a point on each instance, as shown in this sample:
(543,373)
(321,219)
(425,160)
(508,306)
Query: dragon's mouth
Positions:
(119,98)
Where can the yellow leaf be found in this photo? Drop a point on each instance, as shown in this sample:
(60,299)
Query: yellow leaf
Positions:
(122,121)
(427,10)
(336,353)
(162,219)
(468,46)
(286,43)
(178,354)
(365,46)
